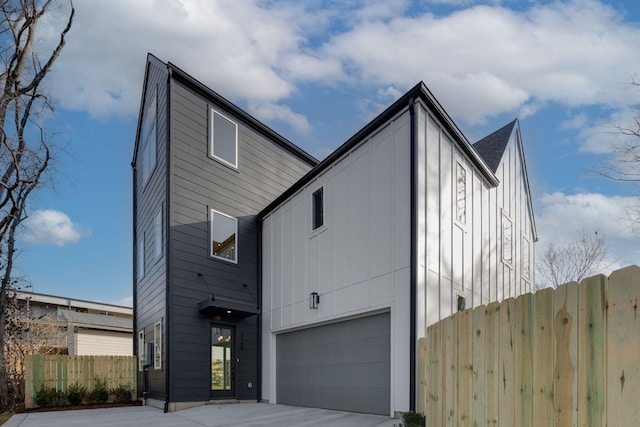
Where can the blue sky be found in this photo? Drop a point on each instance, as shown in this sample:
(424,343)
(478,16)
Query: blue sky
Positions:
(318,71)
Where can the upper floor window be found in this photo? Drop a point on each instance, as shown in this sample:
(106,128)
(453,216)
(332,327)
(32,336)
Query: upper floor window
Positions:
(507,239)
(148,140)
(526,258)
(317,206)
(223,134)
(157,234)
(140,254)
(461,193)
(224,229)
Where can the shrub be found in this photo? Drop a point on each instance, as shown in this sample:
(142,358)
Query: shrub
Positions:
(100,392)
(76,393)
(122,393)
(413,419)
(56,398)
(41,396)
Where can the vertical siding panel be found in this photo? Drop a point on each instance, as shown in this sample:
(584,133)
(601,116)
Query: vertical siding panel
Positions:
(507,393)
(591,350)
(543,357)
(565,386)
(623,347)
(432,200)
(446,228)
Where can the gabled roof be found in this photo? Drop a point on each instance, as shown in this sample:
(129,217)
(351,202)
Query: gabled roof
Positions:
(491,147)
(178,74)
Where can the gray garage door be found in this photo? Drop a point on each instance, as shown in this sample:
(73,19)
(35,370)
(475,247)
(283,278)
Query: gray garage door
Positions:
(343,366)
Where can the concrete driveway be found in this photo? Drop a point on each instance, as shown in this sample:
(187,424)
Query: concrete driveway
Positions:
(242,414)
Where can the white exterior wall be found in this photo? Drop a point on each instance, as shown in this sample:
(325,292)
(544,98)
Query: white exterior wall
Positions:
(358,261)
(456,258)
(91,342)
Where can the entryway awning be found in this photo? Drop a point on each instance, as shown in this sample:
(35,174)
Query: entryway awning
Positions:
(227,306)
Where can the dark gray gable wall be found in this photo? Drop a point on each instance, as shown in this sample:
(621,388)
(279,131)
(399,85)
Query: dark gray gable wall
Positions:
(198,183)
(148,199)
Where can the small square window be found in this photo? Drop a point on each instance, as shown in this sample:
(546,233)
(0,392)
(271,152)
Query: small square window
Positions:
(318,208)
(224,229)
(224,139)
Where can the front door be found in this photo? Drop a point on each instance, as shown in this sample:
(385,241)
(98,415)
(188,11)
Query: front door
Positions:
(222,362)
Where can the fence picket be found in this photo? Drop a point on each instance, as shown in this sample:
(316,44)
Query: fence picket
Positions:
(563,357)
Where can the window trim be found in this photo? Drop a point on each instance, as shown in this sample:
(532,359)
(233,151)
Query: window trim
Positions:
(157,345)
(141,349)
(526,259)
(314,225)
(212,212)
(506,220)
(157,234)
(461,221)
(212,113)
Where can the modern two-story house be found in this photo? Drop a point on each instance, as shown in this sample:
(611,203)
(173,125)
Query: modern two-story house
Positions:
(261,274)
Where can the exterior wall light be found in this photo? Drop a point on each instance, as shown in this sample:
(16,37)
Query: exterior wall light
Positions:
(314,300)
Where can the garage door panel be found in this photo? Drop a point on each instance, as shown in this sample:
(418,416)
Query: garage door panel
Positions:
(344,366)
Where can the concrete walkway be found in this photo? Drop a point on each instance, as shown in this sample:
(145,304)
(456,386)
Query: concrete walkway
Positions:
(243,414)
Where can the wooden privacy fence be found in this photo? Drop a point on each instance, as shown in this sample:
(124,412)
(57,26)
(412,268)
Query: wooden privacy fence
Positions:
(560,357)
(60,371)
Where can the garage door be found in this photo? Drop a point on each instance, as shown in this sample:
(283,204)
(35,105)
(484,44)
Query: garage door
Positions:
(343,366)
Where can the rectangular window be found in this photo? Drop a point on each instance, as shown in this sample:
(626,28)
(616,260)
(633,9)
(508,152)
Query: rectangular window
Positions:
(318,208)
(157,234)
(507,239)
(223,139)
(526,258)
(148,139)
(224,229)
(140,256)
(141,350)
(461,194)
(157,346)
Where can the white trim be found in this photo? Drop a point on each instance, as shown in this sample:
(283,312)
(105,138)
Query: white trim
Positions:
(141,349)
(157,345)
(212,114)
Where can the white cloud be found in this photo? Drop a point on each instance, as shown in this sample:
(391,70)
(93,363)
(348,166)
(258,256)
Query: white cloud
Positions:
(561,217)
(274,113)
(603,136)
(480,61)
(51,227)
(126,301)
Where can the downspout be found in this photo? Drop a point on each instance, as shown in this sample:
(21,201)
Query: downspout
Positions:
(259,367)
(168,262)
(413,263)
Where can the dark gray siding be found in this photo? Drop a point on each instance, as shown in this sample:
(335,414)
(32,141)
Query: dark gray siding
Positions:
(197,183)
(150,198)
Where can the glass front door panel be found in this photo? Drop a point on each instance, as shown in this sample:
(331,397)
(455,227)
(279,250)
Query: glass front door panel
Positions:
(221,359)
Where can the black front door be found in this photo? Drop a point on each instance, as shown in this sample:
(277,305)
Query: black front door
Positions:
(222,362)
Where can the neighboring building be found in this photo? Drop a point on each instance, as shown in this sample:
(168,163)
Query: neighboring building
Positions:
(285,281)
(85,327)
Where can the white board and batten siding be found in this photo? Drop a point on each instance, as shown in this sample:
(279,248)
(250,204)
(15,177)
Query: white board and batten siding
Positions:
(461,254)
(358,261)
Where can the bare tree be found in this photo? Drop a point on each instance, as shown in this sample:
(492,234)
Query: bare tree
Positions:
(572,261)
(25,150)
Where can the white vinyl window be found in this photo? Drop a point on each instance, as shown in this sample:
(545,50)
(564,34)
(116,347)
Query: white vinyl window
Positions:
(507,240)
(461,194)
(157,345)
(141,350)
(526,258)
(223,136)
(224,232)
